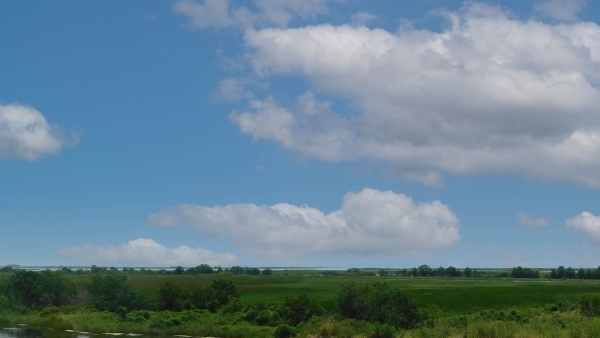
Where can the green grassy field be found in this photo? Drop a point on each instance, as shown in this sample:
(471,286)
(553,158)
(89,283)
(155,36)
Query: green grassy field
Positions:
(452,295)
(525,308)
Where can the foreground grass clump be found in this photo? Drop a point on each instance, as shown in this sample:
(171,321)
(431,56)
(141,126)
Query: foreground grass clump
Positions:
(565,320)
(193,322)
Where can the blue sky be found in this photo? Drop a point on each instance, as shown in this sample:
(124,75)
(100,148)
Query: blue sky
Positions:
(306,133)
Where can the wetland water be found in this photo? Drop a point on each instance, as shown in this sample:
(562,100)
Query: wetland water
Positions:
(12,332)
(23,332)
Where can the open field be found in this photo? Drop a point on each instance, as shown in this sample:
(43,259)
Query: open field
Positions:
(452,295)
(466,307)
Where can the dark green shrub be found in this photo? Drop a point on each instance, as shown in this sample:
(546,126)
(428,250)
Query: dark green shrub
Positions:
(262,318)
(250,315)
(122,312)
(589,305)
(299,309)
(284,331)
(234,306)
(165,323)
(213,297)
(378,303)
(111,291)
(383,331)
(38,289)
(171,297)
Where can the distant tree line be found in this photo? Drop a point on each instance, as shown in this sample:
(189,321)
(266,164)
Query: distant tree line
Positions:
(202,269)
(520,272)
(426,271)
(570,273)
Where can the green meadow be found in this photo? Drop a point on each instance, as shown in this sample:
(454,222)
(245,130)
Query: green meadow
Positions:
(452,295)
(449,307)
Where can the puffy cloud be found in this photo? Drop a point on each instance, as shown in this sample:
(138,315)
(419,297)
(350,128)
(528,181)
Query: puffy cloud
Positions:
(489,94)
(370,222)
(145,252)
(221,13)
(312,130)
(25,133)
(529,220)
(563,10)
(588,224)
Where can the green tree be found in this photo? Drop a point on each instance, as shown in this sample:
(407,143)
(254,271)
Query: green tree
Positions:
(216,295)
(440,272)
(424,270)
(36,290)
(378,303)
(394,307)
(171,297)
(301,309)
(468,272)
(267,272)
(452,272)
(111,291)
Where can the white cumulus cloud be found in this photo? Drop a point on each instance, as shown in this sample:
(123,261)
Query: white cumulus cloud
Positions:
(588,224)
(529,220)
(370,222)
(489,94)
(25,133)
(145,252)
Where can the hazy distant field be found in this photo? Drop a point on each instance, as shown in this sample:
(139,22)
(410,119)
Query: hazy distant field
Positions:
(452,295)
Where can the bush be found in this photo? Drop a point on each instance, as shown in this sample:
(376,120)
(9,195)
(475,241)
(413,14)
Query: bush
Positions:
(213,297)
(172,297)
(262,318)
(383,331)
(111,291)
(38,289)
(284,331)
(299,309)
(378,303)
(122,312)
(165,323)
(589,305)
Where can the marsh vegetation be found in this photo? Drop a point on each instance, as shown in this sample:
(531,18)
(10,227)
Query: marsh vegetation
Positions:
(352,303)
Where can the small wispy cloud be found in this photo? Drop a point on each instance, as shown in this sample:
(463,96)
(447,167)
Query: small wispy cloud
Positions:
(529,220)
(561,10)
(144,251)
(362,18)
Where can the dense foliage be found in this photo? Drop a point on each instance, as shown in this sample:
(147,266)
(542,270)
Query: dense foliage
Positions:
(36,290)
(110,292)
(378,303)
